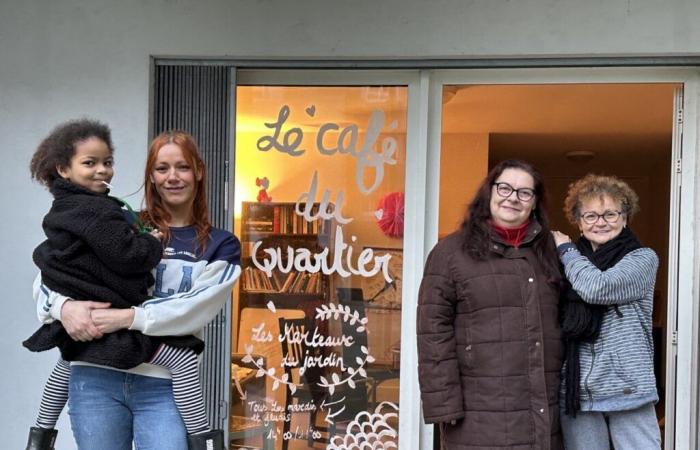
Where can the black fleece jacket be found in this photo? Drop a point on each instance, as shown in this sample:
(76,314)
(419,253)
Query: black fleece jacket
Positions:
(93,253)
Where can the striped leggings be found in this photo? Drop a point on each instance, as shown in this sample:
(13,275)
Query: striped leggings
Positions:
(187,390)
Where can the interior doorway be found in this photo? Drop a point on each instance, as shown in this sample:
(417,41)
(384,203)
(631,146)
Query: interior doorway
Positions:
(568,131)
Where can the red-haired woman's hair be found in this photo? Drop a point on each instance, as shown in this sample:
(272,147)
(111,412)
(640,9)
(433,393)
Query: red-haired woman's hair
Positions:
(155,213)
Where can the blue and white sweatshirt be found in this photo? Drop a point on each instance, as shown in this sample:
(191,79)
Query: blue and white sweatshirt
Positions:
(189,289)
(617,370)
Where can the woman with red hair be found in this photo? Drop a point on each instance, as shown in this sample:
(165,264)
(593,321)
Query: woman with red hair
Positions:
(111,408)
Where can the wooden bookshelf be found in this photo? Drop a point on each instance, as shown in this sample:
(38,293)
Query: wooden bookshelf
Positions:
(276,225)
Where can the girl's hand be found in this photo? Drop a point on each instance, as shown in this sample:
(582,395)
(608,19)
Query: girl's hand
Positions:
(111,320)
(156,234)
(560,238)
(76,319)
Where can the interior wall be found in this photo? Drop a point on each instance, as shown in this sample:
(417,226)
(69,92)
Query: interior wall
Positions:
(464,161)
(289,179)
(61,60)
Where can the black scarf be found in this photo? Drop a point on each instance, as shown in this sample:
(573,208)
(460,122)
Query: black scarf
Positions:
(580,321)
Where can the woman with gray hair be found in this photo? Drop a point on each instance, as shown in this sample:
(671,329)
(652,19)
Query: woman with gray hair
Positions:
(608,384)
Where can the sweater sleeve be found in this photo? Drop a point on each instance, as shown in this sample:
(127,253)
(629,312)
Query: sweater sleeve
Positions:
(629,280)
(438,367)
(115,243)
(188,312)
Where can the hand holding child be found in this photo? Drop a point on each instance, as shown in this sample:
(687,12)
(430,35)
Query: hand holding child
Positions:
(156,233)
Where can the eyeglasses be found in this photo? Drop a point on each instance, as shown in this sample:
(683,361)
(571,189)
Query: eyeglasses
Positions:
(591,217)
(523,194)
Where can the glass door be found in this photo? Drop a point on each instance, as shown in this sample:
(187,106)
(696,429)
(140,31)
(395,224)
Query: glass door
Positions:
(319,207)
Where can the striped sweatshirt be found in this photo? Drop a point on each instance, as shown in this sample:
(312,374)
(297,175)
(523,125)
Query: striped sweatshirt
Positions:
(617,370)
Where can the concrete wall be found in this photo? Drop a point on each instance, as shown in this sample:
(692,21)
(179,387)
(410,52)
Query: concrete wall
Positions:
(66,59)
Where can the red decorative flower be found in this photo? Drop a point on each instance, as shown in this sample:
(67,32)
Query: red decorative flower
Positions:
(390,214)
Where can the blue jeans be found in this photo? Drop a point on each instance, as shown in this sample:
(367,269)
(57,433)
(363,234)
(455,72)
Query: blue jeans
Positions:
(635,429)
(109,409)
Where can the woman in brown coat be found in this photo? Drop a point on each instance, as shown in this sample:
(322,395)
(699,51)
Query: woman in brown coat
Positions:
(489,343)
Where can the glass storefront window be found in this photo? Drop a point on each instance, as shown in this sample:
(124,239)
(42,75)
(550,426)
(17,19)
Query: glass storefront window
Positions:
(319,198)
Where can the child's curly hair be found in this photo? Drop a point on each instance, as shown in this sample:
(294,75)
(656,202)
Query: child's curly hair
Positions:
(596,186)
(57,149)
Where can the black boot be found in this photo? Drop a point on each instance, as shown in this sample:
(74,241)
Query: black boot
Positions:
(41,438)
(210,440)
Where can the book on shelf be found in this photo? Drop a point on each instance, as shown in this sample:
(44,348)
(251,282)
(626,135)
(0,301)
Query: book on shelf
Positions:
(256,281)
(277,226)
(280,218)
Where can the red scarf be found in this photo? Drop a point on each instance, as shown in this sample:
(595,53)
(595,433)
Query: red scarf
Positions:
(511,236)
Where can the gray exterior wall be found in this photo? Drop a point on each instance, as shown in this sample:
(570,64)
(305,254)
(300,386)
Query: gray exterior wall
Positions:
(66,59)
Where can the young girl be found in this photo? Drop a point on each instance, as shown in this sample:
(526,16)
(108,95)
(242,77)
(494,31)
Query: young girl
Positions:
(93,252)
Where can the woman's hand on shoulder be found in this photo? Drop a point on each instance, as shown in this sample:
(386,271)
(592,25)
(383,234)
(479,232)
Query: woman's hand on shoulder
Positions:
(76,319)
(560,238)
(112,319)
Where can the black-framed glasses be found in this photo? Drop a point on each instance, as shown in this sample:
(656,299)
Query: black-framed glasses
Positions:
(591,217)
(523,194)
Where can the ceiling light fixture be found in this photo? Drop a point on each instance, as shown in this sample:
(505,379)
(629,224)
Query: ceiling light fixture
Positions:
(580,156)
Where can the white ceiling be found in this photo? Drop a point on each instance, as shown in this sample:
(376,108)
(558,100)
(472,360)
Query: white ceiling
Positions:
(590,109)
(614,121)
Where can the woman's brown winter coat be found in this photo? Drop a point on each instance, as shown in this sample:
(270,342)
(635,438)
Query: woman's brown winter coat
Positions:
(489,347)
